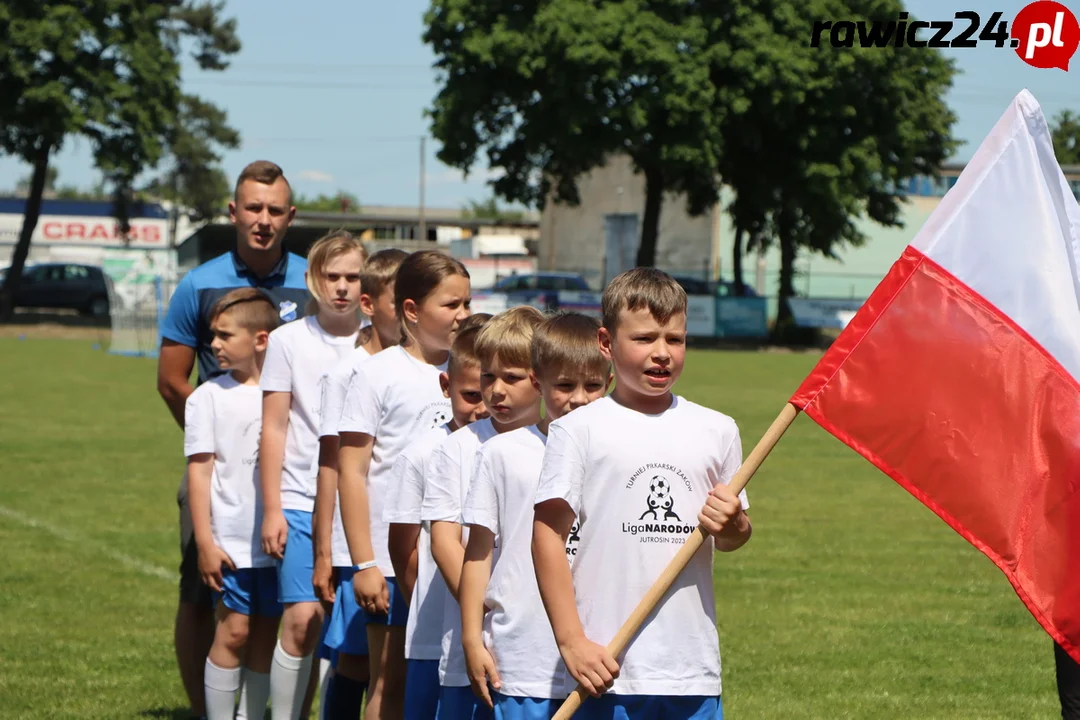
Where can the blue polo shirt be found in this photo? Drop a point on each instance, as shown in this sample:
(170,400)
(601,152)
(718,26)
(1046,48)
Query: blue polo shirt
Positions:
(188,319)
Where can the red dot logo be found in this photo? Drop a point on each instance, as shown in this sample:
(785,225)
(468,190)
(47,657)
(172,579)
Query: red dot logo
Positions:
(1045,34)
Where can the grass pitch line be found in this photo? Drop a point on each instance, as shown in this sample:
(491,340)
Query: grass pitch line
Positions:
(139,566)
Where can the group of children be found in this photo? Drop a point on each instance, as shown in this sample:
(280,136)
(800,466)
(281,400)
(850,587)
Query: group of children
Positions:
(449,510)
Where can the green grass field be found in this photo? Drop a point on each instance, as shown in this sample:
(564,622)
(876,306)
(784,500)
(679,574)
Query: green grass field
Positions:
(852,600)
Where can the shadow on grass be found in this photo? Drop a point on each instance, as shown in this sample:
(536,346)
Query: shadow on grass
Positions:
(180,713)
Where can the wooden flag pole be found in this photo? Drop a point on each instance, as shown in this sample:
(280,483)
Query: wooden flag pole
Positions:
(682,558)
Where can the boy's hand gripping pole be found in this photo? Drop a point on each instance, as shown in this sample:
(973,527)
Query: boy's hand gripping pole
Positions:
(678,563)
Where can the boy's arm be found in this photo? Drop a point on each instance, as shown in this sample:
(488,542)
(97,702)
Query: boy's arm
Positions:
(590,664)
(403,516)
(724,518)
(405,555)
(326,486)
(354,462)
(448,552)
(275,423)
(724,514)
(442,508)
(211,557)
(475,575)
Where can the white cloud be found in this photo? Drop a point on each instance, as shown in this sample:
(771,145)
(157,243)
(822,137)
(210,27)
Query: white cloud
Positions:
(316,176)
(452,176)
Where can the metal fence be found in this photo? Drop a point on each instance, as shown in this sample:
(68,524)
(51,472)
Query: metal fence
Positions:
(136,313)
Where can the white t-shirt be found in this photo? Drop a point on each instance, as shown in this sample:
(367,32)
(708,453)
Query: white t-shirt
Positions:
(423,633)
(501,498)
(335,383)
(445,486)
(225,418)
(297,356)
(394,398)
(637,483)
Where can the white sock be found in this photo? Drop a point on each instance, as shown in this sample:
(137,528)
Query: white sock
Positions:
(325,672)
(254,695)
(241,707)
(220,686)
(288,684)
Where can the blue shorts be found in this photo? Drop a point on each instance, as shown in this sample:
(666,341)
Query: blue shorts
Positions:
(459,703)
(250,591)
(422,690)
(399,609)
(295,571)
(644,707)
(347,626)
(508,707)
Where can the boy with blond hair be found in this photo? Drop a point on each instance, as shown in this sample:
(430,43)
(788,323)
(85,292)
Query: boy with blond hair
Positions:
(504,348)
(222,418)
(508,649)
(633,468)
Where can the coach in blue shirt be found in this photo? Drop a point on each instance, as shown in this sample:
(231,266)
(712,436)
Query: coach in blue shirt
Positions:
(261,211)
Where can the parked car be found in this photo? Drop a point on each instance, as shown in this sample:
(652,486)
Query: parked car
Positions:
(69,286)
(541,282)
(723,288)
(540,289)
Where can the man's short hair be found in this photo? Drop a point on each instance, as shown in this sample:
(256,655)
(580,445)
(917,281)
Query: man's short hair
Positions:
(252,309)
(380,270)
(509,336)
(643,287)
(567,343)
(264,172)
(463,350)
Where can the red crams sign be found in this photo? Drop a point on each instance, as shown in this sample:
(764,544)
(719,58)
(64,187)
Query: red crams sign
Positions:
(105,230)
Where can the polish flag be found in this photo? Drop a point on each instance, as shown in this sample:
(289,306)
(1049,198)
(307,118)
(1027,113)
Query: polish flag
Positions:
(960,376)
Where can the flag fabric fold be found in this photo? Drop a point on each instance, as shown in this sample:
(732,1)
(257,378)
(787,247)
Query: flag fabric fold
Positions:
(960,375)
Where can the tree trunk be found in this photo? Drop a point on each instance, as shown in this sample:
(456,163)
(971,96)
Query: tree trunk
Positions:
(174,212)
(650,223)
(736,261)
(31,214)
(784,319)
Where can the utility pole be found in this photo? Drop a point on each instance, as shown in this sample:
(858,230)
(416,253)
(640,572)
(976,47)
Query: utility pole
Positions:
(423,220)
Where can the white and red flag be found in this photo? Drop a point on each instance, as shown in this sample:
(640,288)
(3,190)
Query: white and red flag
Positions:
(960,376)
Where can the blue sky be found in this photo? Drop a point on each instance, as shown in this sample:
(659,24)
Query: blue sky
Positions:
(335,90)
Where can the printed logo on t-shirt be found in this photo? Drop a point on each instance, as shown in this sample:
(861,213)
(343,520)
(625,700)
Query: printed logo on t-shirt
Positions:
(573,540)
(253,427)
(658,485)
(287,310)
(320,396)
(434,415)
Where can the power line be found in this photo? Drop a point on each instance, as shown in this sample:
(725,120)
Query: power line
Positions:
(299,85)
(331,140)
(325,67)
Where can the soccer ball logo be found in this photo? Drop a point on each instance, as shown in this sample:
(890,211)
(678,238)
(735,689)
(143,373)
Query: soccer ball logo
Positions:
(660,499)
(440,418)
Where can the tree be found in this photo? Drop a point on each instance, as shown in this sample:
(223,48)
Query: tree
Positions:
(193,178)
(339,202)
(1066,136)
(489,210)
(550,89)
(817,137)
(51,175)
(96,193)
(62,192)
(103,69)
